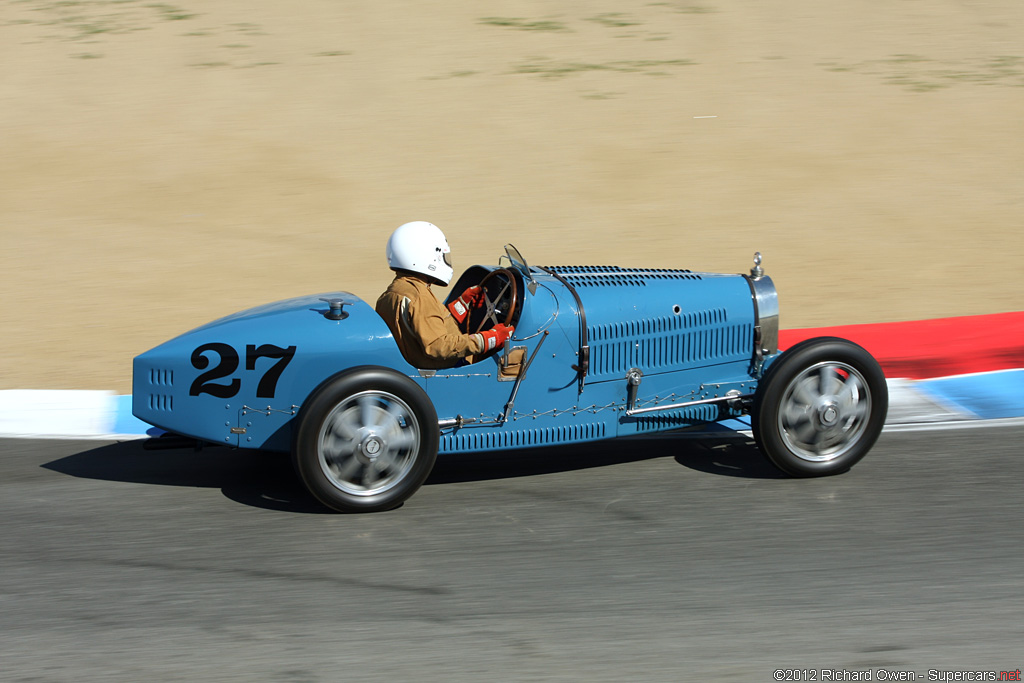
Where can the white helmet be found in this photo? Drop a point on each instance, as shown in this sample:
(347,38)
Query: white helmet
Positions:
(421,248)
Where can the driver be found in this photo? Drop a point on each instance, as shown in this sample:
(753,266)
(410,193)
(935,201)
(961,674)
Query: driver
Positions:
(427,333)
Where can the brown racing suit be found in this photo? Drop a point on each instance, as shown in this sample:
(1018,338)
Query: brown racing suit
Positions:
(425,330)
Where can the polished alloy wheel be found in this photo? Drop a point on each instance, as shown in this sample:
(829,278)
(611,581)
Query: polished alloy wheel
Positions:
(368,443)
(824,411)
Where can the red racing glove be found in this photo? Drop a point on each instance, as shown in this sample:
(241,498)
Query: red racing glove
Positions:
(471,298)
(496,336)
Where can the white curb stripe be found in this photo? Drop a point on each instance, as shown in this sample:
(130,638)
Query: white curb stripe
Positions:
(62,414)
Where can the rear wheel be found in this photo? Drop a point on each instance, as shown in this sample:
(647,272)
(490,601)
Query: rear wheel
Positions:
(820,407)
(366,440)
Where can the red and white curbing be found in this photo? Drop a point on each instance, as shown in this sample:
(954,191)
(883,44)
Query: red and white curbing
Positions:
(943,372)
(926,349)
(953,372)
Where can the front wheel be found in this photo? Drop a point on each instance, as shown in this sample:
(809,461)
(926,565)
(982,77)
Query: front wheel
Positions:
(820,407)
(366,441)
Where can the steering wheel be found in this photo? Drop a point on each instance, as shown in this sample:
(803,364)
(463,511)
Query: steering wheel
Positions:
(500,301)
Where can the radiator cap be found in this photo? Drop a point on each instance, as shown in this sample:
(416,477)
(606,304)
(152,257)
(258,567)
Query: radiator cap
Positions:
(757,272)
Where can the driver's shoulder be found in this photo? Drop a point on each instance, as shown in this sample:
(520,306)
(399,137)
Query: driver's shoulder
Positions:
(409,287)
(411,296)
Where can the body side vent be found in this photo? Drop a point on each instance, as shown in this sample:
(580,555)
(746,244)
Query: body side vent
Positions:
(488,440)
(161,402)
(161,378)
(667,342)
(678,418)
(605,276)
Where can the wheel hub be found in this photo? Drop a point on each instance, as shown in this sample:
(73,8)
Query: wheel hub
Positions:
(369,448)
(828,414)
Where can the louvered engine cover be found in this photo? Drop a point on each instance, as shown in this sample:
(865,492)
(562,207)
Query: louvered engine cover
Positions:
(661,320)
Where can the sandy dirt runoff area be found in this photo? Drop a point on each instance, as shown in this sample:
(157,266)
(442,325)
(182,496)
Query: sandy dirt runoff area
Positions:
(164,164)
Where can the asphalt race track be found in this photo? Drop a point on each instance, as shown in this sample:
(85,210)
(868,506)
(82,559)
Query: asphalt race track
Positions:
(668,560)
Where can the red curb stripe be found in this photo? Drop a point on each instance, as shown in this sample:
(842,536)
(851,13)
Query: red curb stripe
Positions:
(922,349)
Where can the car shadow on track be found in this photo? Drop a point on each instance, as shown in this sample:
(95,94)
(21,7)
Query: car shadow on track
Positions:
(267,480)
(255,478)
(731,455)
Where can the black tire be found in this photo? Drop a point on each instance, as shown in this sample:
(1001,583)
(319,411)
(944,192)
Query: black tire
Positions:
(820,407)
(366,440)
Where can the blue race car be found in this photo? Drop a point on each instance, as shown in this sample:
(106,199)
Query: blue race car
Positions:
(598,352)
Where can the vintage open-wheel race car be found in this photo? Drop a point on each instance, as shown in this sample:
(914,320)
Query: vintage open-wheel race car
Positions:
(598,352)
